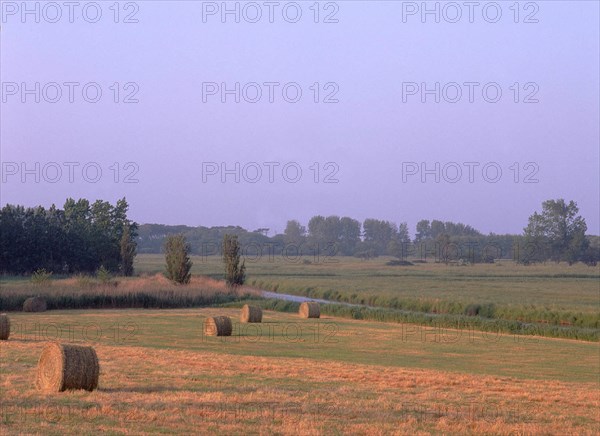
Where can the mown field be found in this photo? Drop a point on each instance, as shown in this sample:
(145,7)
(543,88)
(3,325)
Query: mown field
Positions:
(159,374)
(335,375)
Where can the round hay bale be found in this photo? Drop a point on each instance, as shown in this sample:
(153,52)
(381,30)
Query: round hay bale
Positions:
(251,314)
(309,310)
(218,326)
(4,327)
(65,366)
(34,304)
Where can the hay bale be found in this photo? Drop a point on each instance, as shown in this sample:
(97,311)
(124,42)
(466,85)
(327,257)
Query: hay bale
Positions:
(4,327)
(65,366)
(218,326)
(251,314)
(34,304)
(309,310)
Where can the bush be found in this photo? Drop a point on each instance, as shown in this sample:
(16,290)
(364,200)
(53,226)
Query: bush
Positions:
(105,277)
(399,263)
(487,310)
(41,277)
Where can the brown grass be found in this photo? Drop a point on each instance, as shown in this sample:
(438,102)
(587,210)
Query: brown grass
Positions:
(145,283)
(63,367)
(4,327)
(145,393)
(218,326)
(251,314)
(148,291)
(34,304)
(309,310)
(148,284)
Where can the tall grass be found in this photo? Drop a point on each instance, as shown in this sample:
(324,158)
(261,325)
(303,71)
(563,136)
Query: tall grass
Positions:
(447,321)
(155,291)
(436,306)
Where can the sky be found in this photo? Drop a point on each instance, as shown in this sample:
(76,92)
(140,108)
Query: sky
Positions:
(285,110)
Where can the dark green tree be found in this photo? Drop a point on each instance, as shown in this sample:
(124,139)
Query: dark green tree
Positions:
(79,238)
(177,259)
(235,274)
(81,252)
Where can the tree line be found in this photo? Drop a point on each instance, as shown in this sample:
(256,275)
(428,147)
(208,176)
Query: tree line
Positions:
(326,235)
(81,237)
(434,239)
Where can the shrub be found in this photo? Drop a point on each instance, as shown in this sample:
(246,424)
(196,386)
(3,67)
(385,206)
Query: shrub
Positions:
(472,309)
(41,277)
(487,310)
(104,276)
(399,263)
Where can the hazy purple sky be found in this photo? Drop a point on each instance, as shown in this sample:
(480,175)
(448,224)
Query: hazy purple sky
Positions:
(368,134)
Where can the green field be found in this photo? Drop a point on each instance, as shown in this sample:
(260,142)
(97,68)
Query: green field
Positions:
(549,293)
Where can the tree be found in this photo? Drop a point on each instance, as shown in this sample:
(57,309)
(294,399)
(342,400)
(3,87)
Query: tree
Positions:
(79,238)
(235,274)
(128,251)
(317,237)
(325,234)
(104,239)
(177,259)
(398,247)
(81,252)
(591,257)
(294,233)
(423,231)
(535,240)
(350,235)
(443,246)
(437,228)
(378,234)
(557,233)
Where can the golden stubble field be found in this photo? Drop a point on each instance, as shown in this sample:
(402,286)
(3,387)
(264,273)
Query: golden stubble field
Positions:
(159,374)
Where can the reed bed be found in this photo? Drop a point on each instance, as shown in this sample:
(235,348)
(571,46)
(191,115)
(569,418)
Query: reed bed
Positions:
(154,291)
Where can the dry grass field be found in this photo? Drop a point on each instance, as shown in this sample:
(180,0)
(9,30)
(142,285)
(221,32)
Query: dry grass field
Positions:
(159,374)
